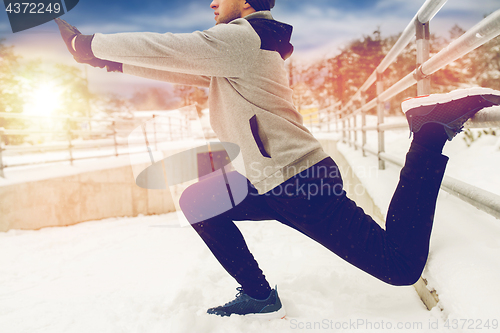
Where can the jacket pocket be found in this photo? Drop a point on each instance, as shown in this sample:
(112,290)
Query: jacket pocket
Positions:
(254,126)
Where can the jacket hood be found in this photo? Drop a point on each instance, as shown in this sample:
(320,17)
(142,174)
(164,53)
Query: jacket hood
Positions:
(274,35)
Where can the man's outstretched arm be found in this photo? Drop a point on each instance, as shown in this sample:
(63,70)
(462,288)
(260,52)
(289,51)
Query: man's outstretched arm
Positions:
(79,46)
(171,77)
(225,50)
(69,35)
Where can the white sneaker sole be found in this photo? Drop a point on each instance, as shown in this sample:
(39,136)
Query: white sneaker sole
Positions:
(280,314)
(415,102)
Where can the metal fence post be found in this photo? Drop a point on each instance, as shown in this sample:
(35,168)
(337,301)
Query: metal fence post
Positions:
(344,136)
(423,51)
(349,134)
(320,123)
(114,138)
(337,116)
(154,131)
(2,131)
(355,131)
(70,145)
(424,88)
(328,119)
(170,128)
(380,121)
(363,124)
(181,128)
(178,130)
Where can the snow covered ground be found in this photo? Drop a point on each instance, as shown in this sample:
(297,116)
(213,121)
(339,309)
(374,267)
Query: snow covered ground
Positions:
(147,274)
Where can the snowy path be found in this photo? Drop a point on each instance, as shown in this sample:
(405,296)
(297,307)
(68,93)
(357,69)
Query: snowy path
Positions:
(146,274)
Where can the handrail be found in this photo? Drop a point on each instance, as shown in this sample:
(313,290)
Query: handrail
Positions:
(478,35)
(428,10)
(481,199)
(488,117)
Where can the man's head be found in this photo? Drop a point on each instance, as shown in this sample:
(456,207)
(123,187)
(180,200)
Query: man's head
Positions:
(259,5)
(228,10)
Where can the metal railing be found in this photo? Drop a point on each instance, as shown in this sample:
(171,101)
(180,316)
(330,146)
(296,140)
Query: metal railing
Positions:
(347,114)
(84,143)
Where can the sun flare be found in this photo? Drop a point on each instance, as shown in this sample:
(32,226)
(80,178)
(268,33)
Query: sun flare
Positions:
(44,100)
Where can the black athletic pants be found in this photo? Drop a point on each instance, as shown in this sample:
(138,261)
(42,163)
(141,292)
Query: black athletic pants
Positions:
(314,203)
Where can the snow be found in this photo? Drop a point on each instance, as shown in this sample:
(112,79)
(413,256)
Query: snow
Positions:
(148,274)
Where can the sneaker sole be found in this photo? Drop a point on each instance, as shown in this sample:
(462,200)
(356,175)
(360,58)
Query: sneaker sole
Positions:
(414,102)
(280,314)
(432,108)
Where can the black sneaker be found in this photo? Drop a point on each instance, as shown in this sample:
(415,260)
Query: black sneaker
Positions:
(270,308)
(451,110)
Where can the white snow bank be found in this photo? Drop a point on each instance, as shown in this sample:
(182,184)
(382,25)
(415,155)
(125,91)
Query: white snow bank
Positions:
(146,274)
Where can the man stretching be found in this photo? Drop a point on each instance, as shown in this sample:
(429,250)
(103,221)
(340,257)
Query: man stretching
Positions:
(241,61)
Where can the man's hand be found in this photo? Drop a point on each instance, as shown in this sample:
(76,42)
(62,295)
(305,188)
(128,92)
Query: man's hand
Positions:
(68,34)
(80,47)
(111,66)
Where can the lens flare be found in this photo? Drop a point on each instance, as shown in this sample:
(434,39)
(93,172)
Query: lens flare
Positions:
(44,100)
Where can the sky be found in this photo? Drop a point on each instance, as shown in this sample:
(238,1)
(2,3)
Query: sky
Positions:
(321,27)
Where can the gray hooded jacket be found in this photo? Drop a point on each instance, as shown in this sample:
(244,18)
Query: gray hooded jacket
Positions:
(250,101)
